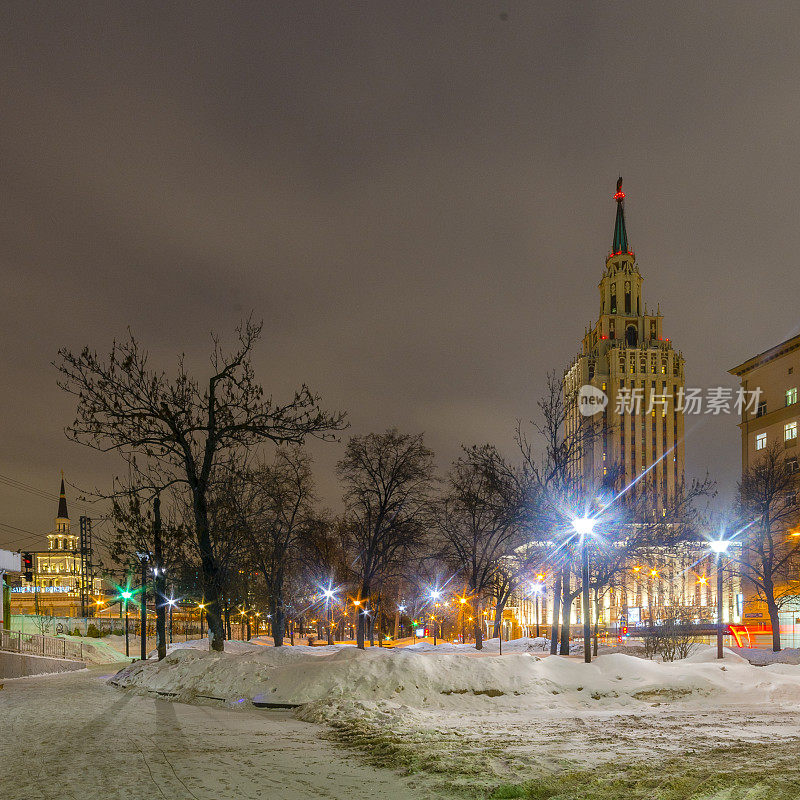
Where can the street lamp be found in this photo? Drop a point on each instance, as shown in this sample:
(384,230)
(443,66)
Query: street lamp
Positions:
(328,593)
(202,607)
(171,603)
(125,596)
(720,547)
(583,527)
(536,590)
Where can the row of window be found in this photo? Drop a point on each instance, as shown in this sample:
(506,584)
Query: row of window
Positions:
(789,435)
(790,397)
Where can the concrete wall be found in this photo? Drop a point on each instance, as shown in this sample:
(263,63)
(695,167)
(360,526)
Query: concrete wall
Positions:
(20,665)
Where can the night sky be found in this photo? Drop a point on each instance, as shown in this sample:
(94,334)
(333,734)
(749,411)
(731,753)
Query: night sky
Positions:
(416,198)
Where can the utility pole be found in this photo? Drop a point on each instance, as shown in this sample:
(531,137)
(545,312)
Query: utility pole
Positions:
(159,582)
(143,559)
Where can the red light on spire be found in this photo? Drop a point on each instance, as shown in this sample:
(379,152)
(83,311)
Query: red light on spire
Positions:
(619,196)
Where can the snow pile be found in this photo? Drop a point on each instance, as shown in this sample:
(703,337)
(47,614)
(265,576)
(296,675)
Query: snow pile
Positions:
(338,675)
(96,651)
(522,645)
(231,646)
(761,658)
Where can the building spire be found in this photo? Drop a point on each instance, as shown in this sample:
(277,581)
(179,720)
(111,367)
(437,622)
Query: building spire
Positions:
(620,244)
(62,500)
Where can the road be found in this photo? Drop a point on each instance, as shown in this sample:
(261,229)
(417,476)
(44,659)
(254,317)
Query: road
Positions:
(74,736)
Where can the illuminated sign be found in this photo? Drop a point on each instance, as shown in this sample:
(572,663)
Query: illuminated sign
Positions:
(45,589)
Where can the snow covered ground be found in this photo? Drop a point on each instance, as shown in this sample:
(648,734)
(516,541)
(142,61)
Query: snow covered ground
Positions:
(75,736)
(622,727)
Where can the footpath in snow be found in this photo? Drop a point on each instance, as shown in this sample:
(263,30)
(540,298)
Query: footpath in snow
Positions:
(482,720)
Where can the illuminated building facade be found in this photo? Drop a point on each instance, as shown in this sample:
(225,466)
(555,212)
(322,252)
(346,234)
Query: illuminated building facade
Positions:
(774,378)
(54,587)
(627,357)
(636,443)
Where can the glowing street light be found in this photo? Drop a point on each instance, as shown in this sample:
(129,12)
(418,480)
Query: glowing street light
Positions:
(536,591)
(126,595)
(328,594)
(720,547)
(584,526)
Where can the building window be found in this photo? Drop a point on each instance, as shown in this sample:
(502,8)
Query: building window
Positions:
(790,431)
(627,297)
(791,396)
(762,408)
(761,441)
(792,465)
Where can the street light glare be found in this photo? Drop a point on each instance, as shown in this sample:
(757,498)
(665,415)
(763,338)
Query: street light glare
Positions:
(583,525)
(719,545)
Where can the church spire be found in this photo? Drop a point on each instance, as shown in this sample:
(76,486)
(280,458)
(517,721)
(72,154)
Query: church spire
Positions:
(62,501)
(620,244)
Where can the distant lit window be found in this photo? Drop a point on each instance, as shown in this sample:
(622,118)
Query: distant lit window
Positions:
(761,441)
(791,396)
(790,431)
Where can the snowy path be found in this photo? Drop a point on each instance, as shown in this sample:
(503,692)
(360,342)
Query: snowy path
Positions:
(73,736)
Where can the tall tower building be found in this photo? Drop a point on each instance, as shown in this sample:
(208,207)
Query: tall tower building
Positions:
(626,356)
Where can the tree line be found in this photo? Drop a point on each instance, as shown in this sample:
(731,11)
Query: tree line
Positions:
(217,490)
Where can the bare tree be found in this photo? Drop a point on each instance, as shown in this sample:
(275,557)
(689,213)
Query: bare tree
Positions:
(137,530)
(387,479)
(553,462)
(187,430)
(479,521)
(274,509)
(767,504)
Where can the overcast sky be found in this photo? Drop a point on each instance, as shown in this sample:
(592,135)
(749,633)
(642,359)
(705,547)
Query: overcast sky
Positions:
(415,196)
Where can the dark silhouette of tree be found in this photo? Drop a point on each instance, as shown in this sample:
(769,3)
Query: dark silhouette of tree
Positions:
(478,519)
(767,505)
(387,479)
(189,431)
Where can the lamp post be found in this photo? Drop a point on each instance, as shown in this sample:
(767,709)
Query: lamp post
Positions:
(143,559)
(536,589)
(328,598)
(435,595)
(171,603)
(583,527)
(202,607)
(720,547)
(126,595)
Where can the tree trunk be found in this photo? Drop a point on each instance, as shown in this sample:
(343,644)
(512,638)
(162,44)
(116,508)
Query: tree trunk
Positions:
(497,629)
(362,631)
(360,626)
(566,612)
(772,608)
(596,621)
(371,622)
(556,614)
(216,631)
(478,625)
(160,584)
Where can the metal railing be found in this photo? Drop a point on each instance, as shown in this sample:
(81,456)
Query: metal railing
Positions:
(37,644)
